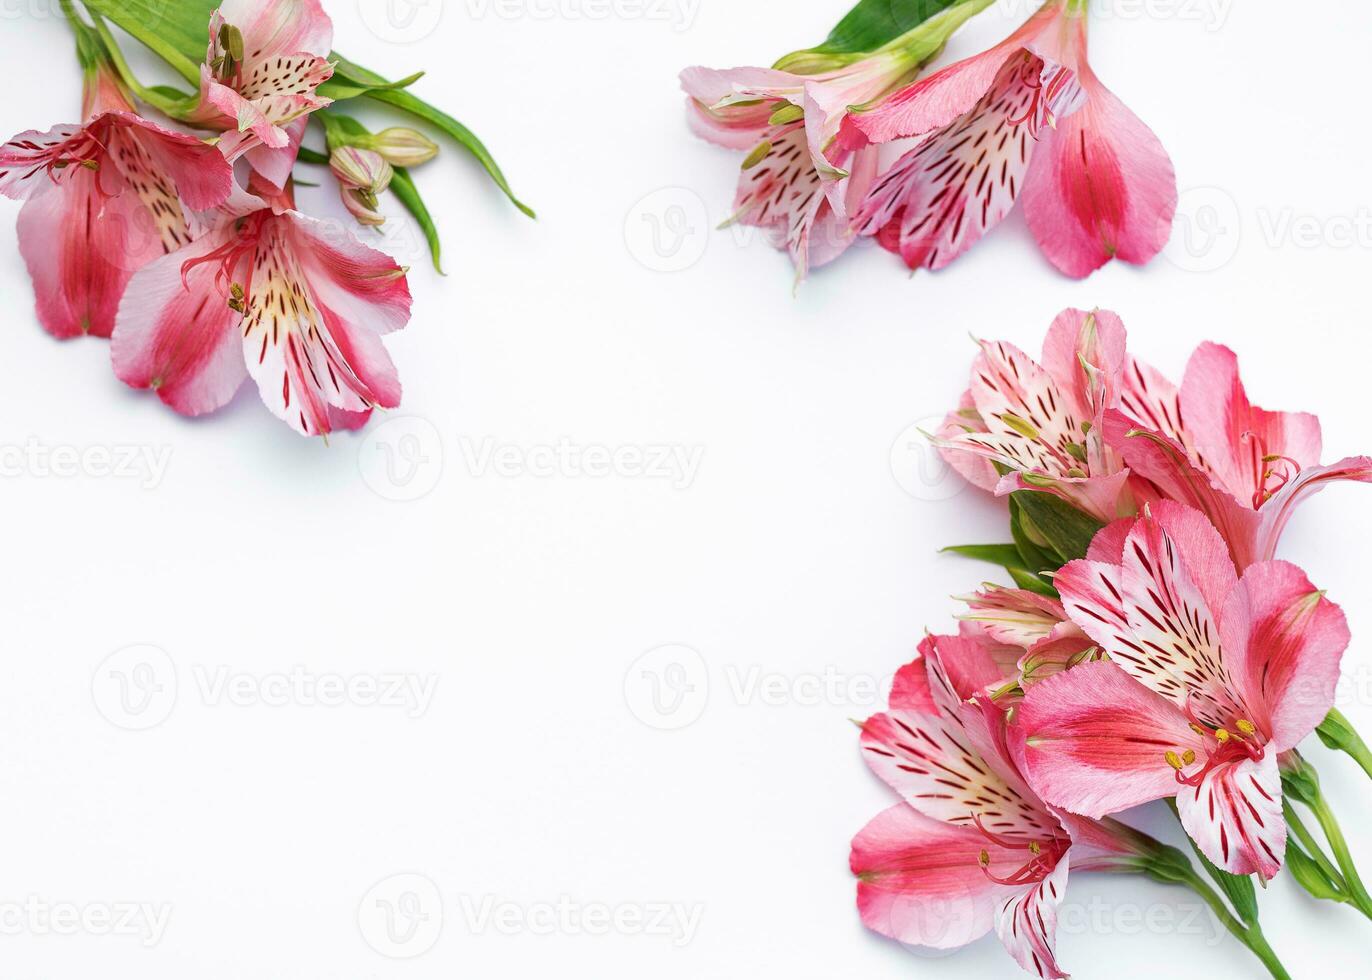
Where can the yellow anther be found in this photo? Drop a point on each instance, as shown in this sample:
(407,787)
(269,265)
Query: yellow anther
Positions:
(1197,729)
(759,154)
(985,859)
(1246,726)
(1222,734)
(1189,756)
(1034,848)
(1174,761)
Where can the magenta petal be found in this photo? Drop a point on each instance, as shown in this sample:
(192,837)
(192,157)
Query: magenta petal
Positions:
(1102,187)
(81,247)
(920,881)
(1283,644)
(1095,740)
(178,335)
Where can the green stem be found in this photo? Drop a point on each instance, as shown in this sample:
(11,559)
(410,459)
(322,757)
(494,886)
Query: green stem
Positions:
(1250,935)
(172,106)
(1312,846)
(1339,845)
(923,43)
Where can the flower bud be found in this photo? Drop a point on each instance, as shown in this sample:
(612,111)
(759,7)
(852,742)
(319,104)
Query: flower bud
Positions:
(402,147)
(362,176)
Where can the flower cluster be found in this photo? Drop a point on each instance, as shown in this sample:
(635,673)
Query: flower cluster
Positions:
(1152,648)
(1026,120)
(186,250)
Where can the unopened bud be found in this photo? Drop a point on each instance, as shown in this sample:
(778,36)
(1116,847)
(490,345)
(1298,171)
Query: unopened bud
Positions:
(362,176)
(401,147)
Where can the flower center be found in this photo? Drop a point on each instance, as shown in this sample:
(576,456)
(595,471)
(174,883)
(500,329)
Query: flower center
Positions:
(1043,856)
(1222,747)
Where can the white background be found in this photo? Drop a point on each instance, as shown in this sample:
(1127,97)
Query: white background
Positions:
(794,551)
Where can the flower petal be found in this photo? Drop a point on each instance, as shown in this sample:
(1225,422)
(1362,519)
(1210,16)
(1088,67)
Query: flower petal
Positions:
(81,246)
(1027,923)
(1235,816)
(176,334)
(940,198)
(1096,741)
(1156,614)
(317,306)
(920,880)
(1102,187)
(1283,642)
(1238,440)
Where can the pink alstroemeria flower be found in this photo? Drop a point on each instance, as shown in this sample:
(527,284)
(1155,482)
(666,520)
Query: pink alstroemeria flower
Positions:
(972,847)
(1032,628)
(258,81)
(1206,445)
(101,201)
(796,183)
(1211,677)
(1029,119)
(1044,423)
(298,304)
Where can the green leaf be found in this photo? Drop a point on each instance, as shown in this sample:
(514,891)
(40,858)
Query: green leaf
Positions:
(178,33)
(1066,531)
(417,107)
(1008,557)
(1032,582)
(1004,555)
(1030,544)
(1310,876)
(873,23)
(402,185)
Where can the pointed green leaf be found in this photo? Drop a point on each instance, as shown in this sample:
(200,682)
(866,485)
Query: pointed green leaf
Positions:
(868,26)
(1004,555)
(1067,531)
(402,185)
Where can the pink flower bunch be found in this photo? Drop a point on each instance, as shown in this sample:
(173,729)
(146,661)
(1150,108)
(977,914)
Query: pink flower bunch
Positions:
(1026,120)
(1151,648)
(186,249)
